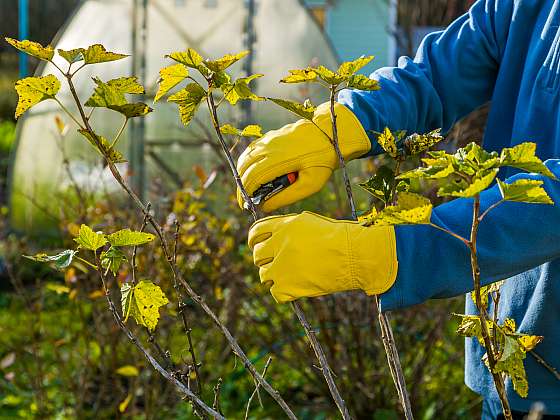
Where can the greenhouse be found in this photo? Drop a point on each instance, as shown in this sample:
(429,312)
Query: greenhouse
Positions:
(162,147)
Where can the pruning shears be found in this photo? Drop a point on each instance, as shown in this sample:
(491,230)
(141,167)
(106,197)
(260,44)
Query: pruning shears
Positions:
(265,191)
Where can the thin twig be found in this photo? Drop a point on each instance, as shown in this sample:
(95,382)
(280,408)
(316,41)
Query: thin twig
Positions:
(547,366)
(324,364)
(256,391)
(167,375)
(175,270)
(317,348)
(181,306)
(386,330)
(217,388)
(498,379)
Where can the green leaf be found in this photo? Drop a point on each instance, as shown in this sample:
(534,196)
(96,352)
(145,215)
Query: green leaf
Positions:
(252,130)
(410,209)
(88,239)
(59,289)
(380,184)
(388,142)
(111,95)
(240,90)
(329,76)
(127,237)
(112,259)
(169,77)
(305,110)
(220,78)
(525,191)
(485,291)
(105,148)
(230,130)
(223,63)
(72,56)
(189,58)
(470,326)
(61,260)
(188,100)
(249,131)
(98,54)
(142,302)
(32,48)
(463,189)
(300,76)
(348,68)
(418,143)
(511,363)
(361,82)
(33,90)
(128,370)
(523,157)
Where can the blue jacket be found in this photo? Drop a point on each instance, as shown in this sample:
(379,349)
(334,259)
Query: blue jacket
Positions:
(506,52)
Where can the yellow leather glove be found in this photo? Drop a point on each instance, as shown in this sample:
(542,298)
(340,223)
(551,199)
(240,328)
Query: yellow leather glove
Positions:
(303,148)
(306,255)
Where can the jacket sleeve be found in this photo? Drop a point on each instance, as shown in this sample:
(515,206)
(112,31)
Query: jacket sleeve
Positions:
(512,238)
(453,73)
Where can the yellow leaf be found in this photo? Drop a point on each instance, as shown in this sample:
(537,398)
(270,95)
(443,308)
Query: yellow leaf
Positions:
(128,370)
(142,302)
(189,58)
(33,90)
(388,142)
(98,54)
(72,56)
(224,62)
(96,294)
(124,404)
(169,77)
(88,239)
(329,76)
(410,209)
(361,82)
(33,48)
(300,76)
(348,68)
(529,342)
(252,130)
(127,237)
(525,191)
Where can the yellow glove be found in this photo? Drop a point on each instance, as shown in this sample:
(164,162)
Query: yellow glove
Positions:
(307,255)
(303,148)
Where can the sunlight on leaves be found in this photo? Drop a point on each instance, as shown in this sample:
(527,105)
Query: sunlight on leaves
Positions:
(169,77)
(410,209)
(32,48)
(127,237)
(348,68)
(523,157)
(224,62)
(525,191)
(32,90)
(98,54)
(300,76)
(305,110)
(142,302)
(188,99)
(88,239)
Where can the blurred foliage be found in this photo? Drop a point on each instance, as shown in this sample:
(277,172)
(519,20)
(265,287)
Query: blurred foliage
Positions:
(61,351)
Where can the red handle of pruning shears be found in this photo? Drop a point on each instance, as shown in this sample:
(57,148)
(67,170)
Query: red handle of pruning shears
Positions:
(265,191)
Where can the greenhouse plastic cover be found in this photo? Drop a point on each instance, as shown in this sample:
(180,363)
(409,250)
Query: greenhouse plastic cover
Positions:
(286,37)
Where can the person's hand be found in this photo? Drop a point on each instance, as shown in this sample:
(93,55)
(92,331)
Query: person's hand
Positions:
(306,255)
(302,147)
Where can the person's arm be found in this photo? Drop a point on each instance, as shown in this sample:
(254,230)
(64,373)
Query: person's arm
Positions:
(453,73)
(512,238)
